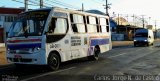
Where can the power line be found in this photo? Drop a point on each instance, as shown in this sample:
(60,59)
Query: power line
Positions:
(18,1)
(23,2)
(97,2)
(63,4)
(44,3)
(37,3)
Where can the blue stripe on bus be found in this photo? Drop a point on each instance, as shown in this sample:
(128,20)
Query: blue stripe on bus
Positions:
(95,42)
(22,46)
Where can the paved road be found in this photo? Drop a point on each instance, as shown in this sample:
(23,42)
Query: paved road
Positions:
(125,63)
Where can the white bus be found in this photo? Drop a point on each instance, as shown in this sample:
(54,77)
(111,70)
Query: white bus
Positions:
(53,35)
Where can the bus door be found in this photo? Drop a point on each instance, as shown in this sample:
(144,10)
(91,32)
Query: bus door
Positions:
(58,36)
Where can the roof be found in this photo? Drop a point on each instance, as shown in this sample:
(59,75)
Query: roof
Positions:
(95,12)
(4,10)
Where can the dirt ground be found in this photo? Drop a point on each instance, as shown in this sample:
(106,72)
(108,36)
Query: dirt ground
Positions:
(2,56)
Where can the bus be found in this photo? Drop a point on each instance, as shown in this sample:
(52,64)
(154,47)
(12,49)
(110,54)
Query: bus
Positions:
(50,36)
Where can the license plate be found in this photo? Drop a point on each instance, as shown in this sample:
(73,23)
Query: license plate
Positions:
(17,56)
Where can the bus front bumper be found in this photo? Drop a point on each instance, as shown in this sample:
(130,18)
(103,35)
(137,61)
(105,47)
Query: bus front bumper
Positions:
(38,58)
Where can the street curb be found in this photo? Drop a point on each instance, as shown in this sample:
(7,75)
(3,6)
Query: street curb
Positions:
(2,45)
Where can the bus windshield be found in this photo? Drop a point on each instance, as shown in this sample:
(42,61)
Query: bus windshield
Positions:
(29,24)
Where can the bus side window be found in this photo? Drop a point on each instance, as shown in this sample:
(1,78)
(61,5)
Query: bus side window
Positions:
(78,23)
(92,24)
(74,28)
(61,26)
(52,25)
(58,26)
(103,24)
(97,24)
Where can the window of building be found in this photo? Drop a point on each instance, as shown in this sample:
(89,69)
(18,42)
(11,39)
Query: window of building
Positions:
(10,18)
(78,23)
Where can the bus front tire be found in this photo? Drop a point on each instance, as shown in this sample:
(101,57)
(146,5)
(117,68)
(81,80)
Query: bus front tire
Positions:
(54,61)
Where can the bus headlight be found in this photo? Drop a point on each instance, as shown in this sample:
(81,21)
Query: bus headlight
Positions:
(135,40)
(36,49)
(145,40)
(8,49)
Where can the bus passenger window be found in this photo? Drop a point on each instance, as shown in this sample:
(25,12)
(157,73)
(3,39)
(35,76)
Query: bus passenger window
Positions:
(103,24)
(92,24)
(52,25)
(61,26)
(74,28)
(58,26)
(78,23)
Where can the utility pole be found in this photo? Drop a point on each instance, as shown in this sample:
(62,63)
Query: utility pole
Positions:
(107,7)
(149,21)
(82,7)
(143,20)
(133,20)
(155,28)
(41,3)
(26,5)
(118,19)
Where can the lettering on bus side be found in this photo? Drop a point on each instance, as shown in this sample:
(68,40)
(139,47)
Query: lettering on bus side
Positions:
(75,41)
(54,45)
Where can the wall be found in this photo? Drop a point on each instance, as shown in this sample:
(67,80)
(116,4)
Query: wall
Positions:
(117,37)
(1,35)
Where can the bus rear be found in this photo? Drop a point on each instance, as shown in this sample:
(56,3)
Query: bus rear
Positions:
(26,40)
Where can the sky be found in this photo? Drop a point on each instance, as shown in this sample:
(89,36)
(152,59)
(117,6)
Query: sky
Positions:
(148,8)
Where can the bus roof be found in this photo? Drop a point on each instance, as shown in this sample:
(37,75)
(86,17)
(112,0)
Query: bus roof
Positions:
(78,12)
(68,11)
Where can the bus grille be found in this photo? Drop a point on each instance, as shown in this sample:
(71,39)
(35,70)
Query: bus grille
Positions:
(20,60)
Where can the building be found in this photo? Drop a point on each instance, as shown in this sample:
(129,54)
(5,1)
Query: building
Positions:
(7,16)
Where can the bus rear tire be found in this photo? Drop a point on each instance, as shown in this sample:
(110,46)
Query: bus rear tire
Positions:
(54,61)
(95,56)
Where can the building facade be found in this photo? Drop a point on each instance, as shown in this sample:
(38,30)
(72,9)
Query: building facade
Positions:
(7,16)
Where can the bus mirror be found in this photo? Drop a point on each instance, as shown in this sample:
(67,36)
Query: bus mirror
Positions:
(46,33)
(7,34)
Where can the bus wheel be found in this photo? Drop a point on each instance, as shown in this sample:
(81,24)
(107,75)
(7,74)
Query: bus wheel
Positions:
(95,56)
(152,44)
(54,61)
